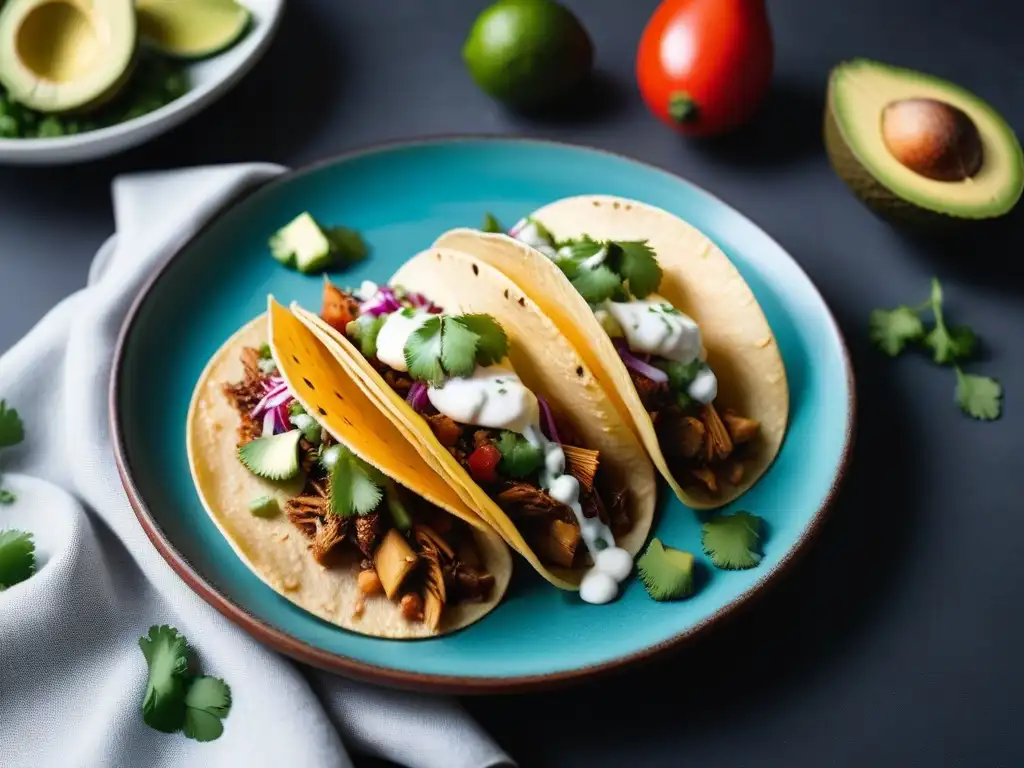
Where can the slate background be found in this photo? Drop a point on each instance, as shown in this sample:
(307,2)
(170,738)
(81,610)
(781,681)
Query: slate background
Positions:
(896,642)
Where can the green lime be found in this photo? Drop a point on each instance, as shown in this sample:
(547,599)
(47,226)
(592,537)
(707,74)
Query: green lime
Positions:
(527,53)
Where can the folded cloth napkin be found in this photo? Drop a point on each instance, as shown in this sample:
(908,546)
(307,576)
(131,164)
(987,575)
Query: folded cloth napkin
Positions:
(72,676)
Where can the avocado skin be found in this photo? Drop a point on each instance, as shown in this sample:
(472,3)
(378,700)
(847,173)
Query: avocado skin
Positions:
(882,201)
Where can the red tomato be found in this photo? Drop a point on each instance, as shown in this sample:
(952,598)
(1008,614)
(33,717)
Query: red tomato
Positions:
(704,66)
(483,463)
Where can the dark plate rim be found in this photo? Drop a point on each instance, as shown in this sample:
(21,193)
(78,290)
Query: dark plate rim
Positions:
(450,684)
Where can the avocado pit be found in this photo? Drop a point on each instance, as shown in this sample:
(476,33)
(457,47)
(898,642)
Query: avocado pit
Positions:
(932,138)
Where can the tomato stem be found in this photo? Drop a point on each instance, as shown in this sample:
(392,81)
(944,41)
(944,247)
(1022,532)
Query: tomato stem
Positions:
(682,108)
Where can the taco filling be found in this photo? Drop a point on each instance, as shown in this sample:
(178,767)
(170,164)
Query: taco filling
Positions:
(454,372)
(662,349)
(406,550)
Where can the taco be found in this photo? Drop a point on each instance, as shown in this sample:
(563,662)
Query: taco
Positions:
(508,411)
(325,500)
(666,323)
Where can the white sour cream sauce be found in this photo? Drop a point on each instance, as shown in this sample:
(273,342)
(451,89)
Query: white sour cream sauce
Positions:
(529,234)
(396,330)
(649,328)
(494,396)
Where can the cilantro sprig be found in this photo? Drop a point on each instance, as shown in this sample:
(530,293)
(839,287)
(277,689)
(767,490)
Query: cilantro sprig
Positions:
(17,558)
(491,224)
(453,345)
(176,699)
(519,457)
(612,269)
(732,541)
(12,432)
(892,330)
(356,488)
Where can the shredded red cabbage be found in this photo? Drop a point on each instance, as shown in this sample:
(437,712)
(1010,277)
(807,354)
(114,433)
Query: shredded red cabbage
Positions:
(549,420)
(383,302)
(638,365)
(272,399)
(417,396)
(281,415)
(269,423)
(419,301)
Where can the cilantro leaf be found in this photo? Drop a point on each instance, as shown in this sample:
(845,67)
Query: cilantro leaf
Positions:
(950,345)
(12,431)
(423,353)
(492,344)
(978,396)
(583,248)
(519,457)
(596,285)
(6,497)
(891,329)
(731,540)
(17,558)
(639,267)
(167,655)
(679,374)
(491,224)
(347,244)
(354,487)
(458,347)
(207,702)
(365,330)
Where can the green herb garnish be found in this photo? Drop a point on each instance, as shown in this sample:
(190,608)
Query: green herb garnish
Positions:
(176,699)
(17,558)
(519,457)
(666,573)
(596,285)
(891,330)
(348,245)
(731,541)
(491,224)
(446,346)
(629,268)
(12,432)
(264,352)
(365,330)
(355,487)
(638,266)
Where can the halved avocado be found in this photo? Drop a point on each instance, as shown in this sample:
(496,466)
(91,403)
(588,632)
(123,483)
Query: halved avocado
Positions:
(192,29)
(916,147)
(66,55)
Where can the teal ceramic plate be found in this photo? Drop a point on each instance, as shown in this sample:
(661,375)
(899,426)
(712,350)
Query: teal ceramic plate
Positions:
(401,197)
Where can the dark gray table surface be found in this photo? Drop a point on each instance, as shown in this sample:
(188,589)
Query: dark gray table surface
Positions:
(896,642)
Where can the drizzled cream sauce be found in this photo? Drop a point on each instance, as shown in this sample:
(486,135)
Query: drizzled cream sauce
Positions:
(493,396)
(395,332)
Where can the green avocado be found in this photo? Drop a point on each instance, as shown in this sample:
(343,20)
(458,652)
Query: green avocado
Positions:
(302,244)
(917,148)
(59,56)
(274,457)
(192,29)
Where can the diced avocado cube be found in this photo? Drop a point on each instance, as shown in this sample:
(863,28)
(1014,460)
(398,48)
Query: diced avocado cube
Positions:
(302,244)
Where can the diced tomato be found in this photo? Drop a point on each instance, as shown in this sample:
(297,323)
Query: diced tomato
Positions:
(483,463)
(337,308)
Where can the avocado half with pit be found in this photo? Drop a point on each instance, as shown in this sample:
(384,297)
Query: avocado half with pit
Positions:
(66,55)
(920,149)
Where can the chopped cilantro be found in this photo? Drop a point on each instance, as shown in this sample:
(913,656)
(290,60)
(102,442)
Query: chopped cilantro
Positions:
(207,703)
(639,267)
(891,329)
(17,558)
(980,397)
(12,432)
(492,345)
(679,374)
(731,541)
(347,244)
(265,353)
(167,655)
(597,284)
(365,330)
(175,699)
(519,457)
(491,224)
(448,345)
(582,249)
(355,487)
(666,572)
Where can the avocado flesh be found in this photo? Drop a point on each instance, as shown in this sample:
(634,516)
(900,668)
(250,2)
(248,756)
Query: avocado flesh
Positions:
(62,56)
(859,91)
(191,29)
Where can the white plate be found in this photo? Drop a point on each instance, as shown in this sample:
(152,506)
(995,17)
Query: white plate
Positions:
(210,79)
